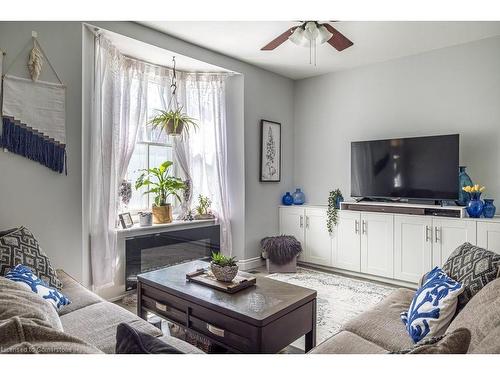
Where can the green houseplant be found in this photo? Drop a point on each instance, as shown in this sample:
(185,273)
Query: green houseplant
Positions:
(203,209)
(224,268)
(334,200)
(158,182)
(173,121)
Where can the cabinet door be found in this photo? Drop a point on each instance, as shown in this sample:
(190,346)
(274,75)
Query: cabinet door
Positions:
(292,223)
(348,252)
(488,235)
(412,247)
(448,234)
(377,244)
(317,239)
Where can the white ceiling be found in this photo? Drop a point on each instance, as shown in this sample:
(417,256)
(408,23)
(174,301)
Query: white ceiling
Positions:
(374,41)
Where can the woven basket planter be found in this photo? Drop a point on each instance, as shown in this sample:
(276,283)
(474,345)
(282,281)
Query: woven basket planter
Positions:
(162,214)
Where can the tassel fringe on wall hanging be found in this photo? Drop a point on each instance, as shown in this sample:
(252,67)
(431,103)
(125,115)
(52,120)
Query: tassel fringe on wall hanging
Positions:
(34,115)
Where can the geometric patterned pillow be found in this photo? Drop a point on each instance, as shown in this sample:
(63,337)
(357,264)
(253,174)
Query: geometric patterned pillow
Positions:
(19,246)
(24,277)
(473,267)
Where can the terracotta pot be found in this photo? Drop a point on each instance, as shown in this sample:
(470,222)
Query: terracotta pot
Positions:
(162,214)
(226,274)
(170,128)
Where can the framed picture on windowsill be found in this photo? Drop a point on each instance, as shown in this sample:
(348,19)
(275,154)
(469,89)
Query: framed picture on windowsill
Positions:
(126,220)
(270,151)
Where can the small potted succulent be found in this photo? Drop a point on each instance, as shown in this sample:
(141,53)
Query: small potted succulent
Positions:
(174,121)
(224,268)
(203,211)
(158,182)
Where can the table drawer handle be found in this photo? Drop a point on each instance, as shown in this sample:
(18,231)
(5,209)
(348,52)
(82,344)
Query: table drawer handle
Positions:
(215,330)
(161,306)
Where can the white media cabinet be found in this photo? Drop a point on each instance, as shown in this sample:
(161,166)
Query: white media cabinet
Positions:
(389,247)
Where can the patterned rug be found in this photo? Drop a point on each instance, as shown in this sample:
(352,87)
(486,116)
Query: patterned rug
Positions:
(339,298)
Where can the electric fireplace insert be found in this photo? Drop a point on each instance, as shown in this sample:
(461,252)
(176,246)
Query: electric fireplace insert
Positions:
(158,250)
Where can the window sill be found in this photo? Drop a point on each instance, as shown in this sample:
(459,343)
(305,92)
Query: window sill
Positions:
(158,228)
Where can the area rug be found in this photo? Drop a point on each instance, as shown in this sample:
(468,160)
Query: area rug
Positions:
(339,298)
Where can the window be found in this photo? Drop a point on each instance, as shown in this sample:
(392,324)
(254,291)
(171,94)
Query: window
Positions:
(152,148)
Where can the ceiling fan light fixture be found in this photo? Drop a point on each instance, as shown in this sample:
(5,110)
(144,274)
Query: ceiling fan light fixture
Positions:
(311,31)
(298,37)
(323,34)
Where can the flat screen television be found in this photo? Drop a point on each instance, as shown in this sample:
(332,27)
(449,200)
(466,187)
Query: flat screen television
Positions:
(406,168)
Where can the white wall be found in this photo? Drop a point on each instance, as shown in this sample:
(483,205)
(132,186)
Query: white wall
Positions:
(48,203)
(451,90)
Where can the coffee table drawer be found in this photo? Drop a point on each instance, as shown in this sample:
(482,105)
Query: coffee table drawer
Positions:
(166,305)
(228,331)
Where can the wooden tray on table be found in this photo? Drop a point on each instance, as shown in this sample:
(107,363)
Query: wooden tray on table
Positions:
(206,277)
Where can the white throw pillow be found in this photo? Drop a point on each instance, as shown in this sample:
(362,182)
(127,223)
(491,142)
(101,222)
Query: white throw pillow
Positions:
(433,306)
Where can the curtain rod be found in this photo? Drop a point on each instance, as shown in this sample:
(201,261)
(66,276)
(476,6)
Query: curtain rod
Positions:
(227,73)
(98,32)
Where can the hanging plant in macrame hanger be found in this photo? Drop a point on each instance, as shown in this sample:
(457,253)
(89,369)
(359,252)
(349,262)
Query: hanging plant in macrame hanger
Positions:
(174,121)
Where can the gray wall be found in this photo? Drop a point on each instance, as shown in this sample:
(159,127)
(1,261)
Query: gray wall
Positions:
(49,204)
(52,205)
(266,96)
(451,90)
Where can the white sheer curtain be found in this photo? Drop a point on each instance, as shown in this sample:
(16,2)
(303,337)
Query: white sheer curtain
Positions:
(205,100)
(118,109)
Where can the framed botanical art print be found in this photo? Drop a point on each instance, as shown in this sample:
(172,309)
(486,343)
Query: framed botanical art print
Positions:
(270,151)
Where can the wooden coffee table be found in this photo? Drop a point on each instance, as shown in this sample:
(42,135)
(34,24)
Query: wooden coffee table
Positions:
(264,318)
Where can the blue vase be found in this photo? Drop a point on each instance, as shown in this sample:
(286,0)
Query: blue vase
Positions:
(287,199)
(489,209)
(337,202)
(298,197)
(475,205)
(463,180)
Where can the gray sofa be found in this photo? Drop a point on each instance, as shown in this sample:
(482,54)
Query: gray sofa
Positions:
(30,324)
(94,320)
(380,329)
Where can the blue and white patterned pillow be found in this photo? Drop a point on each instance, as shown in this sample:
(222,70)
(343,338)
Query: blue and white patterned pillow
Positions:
(433,306)
(25,277)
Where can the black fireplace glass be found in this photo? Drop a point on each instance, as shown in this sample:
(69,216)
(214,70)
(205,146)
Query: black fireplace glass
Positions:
(158,250)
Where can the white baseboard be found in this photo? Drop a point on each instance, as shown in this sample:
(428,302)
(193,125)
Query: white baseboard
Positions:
(248,264)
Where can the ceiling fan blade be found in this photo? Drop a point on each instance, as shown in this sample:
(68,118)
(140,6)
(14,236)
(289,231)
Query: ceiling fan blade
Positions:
(338,40)
(279,40)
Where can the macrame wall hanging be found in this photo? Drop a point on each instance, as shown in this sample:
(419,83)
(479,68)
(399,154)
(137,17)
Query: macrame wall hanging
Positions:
(34,113)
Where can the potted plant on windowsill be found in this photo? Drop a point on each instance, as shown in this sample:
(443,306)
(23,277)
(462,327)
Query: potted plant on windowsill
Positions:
(158,182)
(224,268)
(174,121)
(203,211)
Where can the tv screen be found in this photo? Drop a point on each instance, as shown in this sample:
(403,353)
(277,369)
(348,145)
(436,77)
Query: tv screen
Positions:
(409,168)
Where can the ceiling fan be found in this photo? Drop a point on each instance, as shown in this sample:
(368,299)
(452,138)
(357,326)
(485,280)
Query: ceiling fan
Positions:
(308,34)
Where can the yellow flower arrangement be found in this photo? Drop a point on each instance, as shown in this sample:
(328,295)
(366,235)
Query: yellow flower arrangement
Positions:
(474,189)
